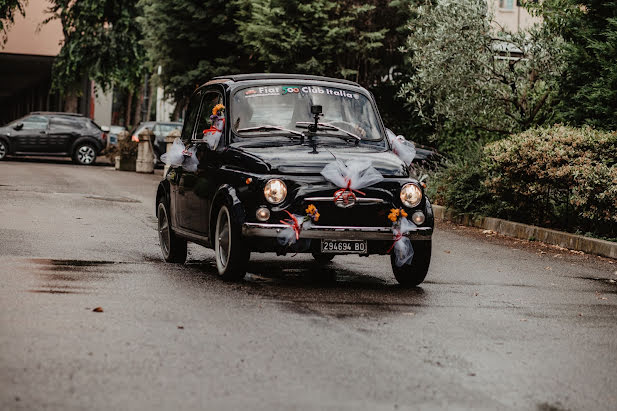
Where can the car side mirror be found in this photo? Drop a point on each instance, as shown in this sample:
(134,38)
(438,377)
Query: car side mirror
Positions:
(18,126)
(105,129)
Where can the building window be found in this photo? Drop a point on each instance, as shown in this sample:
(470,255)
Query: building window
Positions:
(506,4)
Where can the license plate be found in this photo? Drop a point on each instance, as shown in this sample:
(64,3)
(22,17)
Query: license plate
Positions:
(343,246)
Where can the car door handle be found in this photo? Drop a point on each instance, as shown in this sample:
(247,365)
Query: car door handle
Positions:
(42,132)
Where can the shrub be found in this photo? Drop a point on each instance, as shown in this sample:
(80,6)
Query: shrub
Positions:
(459,183)
(126,148)
(560,176)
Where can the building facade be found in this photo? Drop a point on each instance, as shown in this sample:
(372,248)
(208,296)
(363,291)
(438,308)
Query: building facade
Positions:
(25,70)
(511,14)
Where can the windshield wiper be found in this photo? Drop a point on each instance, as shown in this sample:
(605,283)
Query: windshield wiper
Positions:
(331,127)
(266,127)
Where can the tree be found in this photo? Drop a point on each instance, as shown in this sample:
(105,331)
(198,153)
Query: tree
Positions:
(8,10)
(588,87)
(192,41)
(357,40)
(471,73)
(101,42)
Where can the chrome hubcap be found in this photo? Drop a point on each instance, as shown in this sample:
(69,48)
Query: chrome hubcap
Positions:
(223,238)
(164,230)
(85,154)
(2,150)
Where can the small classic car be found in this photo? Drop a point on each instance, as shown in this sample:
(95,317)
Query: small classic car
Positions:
(261,185)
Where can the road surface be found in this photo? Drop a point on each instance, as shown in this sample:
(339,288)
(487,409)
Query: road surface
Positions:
(499,324)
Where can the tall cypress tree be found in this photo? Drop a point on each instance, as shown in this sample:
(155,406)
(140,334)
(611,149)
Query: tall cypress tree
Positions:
(192,41)
(588,88)
(353,39)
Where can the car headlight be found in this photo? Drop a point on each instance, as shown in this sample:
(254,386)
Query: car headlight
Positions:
(411,195)
(275,191)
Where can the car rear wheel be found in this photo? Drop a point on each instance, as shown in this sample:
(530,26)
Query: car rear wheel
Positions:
(84,154)
(231,254)
(172,247)
(4,150)
(410,275)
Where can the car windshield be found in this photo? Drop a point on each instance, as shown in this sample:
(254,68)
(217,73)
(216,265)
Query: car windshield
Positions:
(281,108)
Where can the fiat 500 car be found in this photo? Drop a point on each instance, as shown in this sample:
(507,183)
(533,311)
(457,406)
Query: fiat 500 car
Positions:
(290,164)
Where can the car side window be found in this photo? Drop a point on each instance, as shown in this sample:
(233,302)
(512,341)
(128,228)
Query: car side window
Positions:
(191,116)
(35,123)
(63,123)
(211,99)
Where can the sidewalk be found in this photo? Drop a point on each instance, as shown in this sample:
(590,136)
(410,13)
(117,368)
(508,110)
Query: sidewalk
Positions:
(529,232)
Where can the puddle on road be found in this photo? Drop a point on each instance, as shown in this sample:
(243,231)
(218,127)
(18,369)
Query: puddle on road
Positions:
(334,291)
(62,276)
(114,199)
(71,263)
(607,281)
(54,291)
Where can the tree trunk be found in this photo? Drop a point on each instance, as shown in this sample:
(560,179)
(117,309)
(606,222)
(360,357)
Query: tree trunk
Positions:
(127,114)
(152,87)
(177,110)
(70,104)
(137,109)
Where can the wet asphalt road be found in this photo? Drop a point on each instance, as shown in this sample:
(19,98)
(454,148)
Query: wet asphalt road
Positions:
(498,324)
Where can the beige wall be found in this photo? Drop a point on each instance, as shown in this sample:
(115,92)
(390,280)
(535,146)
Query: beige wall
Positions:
(23,37)
(511,19)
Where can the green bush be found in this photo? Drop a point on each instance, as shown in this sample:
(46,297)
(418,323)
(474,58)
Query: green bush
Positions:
(459,182)
(560,177)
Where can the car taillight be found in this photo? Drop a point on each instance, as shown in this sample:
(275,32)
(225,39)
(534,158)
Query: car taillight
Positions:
(104,136)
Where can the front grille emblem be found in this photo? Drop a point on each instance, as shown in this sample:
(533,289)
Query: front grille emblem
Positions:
(345,199)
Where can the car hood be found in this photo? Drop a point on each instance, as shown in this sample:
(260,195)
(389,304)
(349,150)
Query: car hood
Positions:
(297,159)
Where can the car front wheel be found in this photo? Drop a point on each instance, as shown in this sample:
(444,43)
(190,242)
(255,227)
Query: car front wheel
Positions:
(231,254)
(410,275)
(172,247)
(84,154)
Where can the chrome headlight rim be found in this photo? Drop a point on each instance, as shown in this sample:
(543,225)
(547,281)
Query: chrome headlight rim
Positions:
(404,195)
(269,195)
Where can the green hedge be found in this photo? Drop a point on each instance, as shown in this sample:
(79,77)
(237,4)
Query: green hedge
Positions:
(559,177)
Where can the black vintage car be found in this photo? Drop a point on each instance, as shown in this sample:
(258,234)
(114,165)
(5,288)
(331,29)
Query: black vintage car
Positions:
(280,131)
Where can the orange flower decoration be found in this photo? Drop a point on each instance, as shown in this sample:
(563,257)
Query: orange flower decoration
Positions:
(312,212)
(395,213)
(217,108)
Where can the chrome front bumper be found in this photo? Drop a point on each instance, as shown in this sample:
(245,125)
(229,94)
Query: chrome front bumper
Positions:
(334,232)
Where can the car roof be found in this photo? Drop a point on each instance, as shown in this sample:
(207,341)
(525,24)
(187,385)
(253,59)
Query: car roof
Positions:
(171,123)
(278,76)
(56,113)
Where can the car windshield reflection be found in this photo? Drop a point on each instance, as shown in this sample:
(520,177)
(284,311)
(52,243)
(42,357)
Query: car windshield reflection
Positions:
(289,107)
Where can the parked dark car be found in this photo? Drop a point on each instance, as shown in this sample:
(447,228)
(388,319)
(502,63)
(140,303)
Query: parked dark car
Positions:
(269,162)
(160,130)
(53,133)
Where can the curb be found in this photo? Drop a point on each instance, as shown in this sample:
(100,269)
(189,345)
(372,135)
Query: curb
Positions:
(525,232)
